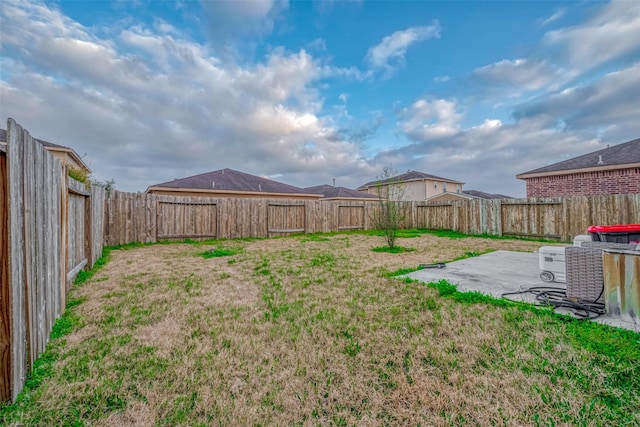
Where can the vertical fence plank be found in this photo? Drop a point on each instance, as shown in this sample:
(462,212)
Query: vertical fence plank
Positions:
(64,245)
(16,258)
(5,308)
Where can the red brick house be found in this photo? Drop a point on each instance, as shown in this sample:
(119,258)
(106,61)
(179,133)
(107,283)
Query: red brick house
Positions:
(612,170)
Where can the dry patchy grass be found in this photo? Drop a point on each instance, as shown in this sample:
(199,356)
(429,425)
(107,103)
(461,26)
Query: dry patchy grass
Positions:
(310,330)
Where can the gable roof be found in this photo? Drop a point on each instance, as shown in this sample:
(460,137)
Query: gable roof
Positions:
(626,154)
(482,195)
(406,177)
(331,192)
(50,146)
(229,180)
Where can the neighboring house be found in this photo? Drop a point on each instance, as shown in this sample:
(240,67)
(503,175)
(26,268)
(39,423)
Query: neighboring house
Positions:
(230,183)
(418,186)
(482,195)
(329,192)
(66,155)
(612,170)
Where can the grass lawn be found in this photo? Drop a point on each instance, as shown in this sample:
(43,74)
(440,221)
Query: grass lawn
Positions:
(313,330)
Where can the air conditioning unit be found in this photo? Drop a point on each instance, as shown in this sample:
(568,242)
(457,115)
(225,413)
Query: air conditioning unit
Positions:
(553,264)
(579,239)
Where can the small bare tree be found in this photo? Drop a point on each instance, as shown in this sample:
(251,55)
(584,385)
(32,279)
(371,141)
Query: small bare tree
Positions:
(391,209)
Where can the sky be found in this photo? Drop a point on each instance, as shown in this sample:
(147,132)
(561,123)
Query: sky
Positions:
(305,92)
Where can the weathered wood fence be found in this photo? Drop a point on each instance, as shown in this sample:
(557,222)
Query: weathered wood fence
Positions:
(559,218)
(51,227)
(136,217)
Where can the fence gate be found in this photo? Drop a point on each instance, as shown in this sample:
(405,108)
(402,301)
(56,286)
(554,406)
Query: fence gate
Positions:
(435,217)
(78,227)
(285,218)
(186,219)
(350,217)
(532,219)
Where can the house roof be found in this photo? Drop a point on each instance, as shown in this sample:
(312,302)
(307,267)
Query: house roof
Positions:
(482,195)
(229,180)
(406,177)
(448,195)
(626,154)
(50,147)
(331,192)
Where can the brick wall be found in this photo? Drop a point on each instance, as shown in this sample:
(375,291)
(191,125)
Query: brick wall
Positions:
(621,181)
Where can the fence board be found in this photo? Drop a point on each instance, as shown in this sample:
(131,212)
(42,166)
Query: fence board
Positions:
(17,268)
(98,196)
(5,308)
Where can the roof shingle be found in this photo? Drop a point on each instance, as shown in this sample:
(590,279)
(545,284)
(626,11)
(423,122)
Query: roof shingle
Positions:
(482,195)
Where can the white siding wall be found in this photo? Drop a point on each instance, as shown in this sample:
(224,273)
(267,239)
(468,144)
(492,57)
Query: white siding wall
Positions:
(420,190)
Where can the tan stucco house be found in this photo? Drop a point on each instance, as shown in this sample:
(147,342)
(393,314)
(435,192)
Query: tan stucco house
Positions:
(418,186)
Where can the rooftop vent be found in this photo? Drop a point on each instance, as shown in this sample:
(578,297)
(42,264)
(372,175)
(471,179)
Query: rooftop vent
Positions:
(600,162)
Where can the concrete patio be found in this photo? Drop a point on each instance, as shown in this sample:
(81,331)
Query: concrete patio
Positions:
(499,272)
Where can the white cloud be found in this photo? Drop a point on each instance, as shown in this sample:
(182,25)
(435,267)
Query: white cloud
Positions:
(326,6)
(240,18)
(518,73)
(610,34)
(553,18)
(487,157)
(164,104)
(390,52)
(608,103)
(317,44)
(430,119)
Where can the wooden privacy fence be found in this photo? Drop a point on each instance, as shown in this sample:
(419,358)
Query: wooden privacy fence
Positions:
(51,227)
(136,217)
(560,218)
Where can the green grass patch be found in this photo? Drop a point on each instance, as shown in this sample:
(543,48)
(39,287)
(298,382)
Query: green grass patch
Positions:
(315,237)
(402,233)
(451,234)
(394,250)
(44,366)
(399,272)
(218,252)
